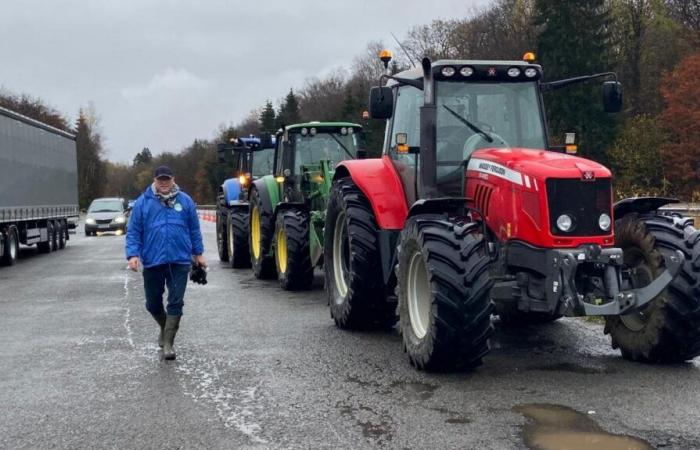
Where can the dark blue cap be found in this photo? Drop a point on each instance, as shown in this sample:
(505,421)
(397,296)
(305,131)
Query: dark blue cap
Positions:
(163,171)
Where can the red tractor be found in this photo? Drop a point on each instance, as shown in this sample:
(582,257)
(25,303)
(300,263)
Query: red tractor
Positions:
(469,209)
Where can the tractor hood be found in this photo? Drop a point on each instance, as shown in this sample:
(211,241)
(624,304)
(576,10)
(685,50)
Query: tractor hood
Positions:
(542,164)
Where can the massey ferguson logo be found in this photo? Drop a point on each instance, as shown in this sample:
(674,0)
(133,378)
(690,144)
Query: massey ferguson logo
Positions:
(491,168)
(588,175)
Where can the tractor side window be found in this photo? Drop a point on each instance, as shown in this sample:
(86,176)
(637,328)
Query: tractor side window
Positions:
(280,154)
(263,161)
(406,120)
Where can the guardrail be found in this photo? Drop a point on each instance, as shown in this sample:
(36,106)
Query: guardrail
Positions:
(686,209)
(207,212)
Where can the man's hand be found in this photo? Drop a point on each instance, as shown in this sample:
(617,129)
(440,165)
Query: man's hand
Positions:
(200,261)
(134,263)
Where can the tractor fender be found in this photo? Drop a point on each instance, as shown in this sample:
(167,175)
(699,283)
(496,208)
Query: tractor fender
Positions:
(378,180)
(268,196)
(640,205)
(231,190)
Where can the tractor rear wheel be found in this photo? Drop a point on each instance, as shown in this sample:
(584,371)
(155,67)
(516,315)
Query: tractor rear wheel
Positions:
(667,330)
(262,230)
(352,266)
(292,254)
(237,238)
(222,234)
(443,289)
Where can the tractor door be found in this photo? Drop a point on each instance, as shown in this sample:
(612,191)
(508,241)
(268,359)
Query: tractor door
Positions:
(405,125)
(287,178)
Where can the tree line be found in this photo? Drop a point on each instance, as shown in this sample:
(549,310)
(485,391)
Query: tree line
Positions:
(652,45)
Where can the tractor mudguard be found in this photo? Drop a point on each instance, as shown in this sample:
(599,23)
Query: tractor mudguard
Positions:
(232,190)
(378,180)
(267,187)
(640,205)
(437,206)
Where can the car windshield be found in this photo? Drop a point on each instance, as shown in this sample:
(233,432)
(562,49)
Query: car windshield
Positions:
(263,162)
(105,206)
(332,147)
(471,116)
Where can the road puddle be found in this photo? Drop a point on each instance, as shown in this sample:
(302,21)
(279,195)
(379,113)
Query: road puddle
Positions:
(557,427)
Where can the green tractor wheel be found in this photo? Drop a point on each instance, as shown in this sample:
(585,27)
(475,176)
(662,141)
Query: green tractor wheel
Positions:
(262,229)
(292,254)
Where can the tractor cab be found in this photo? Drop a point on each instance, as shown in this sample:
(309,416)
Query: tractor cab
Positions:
(307,154)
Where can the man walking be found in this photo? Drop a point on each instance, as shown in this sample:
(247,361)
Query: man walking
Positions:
(163,235)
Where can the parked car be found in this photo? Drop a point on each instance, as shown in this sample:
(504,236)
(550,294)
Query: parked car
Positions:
(107,214)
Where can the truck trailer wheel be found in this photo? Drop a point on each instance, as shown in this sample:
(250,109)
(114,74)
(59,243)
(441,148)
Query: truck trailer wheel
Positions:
(262,230)
(292,254)
(47,246)
(10,247)
(237,238)
(60,235)
(668,329)
(443,290)
(222,234)
(356,291)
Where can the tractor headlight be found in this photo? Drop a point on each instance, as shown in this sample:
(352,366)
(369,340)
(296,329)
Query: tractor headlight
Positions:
(530,72)
(119,219)
(466,71)
(448,71)
(604,222)
(90,221)
(565,222)
(513,72)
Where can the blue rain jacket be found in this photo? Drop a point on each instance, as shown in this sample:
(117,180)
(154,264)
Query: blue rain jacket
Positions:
(161,235)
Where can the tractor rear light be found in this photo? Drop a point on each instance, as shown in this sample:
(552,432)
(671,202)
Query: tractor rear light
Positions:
(312,131)
(530,72)
(466,71)
(243,180)
(513,72)
(343,131)
(565,223)
(448,71)
(351,130)
(304,131)
(604,222)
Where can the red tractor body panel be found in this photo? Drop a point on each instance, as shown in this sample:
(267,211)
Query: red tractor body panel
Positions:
(378,180)
(509,187)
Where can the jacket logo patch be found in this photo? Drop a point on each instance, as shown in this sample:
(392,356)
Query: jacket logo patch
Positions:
(178,207)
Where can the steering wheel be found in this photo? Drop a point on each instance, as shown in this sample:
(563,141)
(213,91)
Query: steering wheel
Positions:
(477,141)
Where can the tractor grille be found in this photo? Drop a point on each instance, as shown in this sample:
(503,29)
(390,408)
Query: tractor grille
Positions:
(584,201)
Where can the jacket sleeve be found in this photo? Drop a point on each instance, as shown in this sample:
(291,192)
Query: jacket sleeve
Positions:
(134,231)
(195,232)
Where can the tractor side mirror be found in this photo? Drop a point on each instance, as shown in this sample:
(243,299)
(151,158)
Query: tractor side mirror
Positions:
(381,102)
(612,96)
(221,153)
(266,140)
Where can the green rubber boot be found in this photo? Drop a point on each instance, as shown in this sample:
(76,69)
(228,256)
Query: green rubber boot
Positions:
(160,318)
(172,323)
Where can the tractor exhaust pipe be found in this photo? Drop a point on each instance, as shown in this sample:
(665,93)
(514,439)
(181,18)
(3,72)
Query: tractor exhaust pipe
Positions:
(428,118)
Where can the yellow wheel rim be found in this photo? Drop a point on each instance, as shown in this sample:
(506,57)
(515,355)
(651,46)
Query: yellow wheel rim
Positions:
(255,232)
(281,250)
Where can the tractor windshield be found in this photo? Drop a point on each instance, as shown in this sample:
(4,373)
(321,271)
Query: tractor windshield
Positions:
(333,147)
(263,162)
(471,116)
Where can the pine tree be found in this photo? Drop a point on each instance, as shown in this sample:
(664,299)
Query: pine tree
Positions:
(573,41)
(289,110)
(267,118)
(143,157)
(91,169)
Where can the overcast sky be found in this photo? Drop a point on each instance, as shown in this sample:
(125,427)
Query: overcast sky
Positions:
(162,73)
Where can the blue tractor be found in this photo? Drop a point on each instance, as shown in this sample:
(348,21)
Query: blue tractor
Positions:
(244,160)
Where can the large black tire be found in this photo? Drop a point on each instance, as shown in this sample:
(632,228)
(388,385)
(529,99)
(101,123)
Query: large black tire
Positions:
(262,229)
(60,235)
(443,286)
(237,238)
(356,293)
(10,247)
(292,254)
(668,329)
(47,246)
(222,234)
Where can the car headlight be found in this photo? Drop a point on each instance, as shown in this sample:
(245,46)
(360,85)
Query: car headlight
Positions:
(90,221)
(119,219)
(565,222)
(604,222)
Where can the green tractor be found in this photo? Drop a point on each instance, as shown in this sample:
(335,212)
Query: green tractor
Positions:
(288,208)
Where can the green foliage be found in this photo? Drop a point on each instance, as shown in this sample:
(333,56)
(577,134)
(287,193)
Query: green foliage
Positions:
(34,108)
(91,169)
(636,160)
(267,118)
(143,157)
(289,110)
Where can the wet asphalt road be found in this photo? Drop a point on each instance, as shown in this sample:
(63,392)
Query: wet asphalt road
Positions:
(261,368)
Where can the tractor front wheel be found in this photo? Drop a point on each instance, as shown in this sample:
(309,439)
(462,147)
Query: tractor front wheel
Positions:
(351,254)
(237,238)
(667,330)
(262,230)
(292,254)
(443,289)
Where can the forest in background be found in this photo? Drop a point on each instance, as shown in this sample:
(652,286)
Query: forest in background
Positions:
(652,146)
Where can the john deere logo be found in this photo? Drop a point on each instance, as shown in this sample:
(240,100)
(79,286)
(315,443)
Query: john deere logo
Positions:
(178,207)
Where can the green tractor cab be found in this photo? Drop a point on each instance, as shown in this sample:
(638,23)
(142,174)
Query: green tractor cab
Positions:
(288,208)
